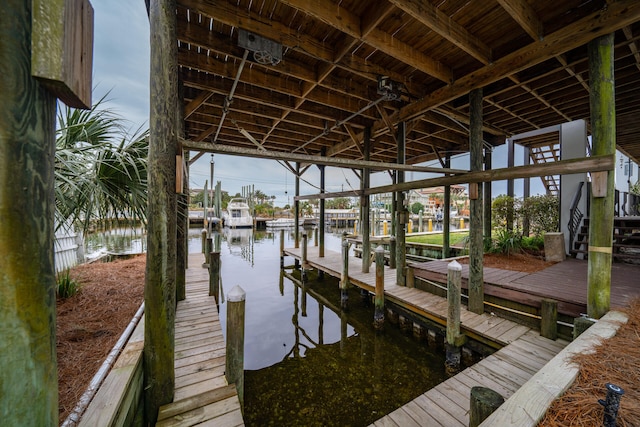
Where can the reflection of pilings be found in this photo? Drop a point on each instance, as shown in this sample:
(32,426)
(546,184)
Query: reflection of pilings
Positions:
(305,264)
(378,316)
(281,283)
(320,323)
(344,280)
(304,296)
(294,320)
(343,333)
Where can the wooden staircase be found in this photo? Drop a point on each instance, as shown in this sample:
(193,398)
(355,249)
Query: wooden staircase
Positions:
(545,154)
(626,239)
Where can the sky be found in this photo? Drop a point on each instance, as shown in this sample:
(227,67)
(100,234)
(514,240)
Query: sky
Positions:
(121,69)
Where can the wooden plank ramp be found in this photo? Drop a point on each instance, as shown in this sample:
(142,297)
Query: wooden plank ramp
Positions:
(202,394)
(505,371)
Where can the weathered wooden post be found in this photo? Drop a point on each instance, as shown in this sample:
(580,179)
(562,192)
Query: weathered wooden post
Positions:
(315,236)
(476,246)
(282,248)
(344,279)
(603,128)
(454,339)
(484,402)
(29,385)
(159,300)
(214,274)
(420,221)
(378,315)
(207,253)
(549,322)
(204,240)
(234,371)
(392,252)
(305,263)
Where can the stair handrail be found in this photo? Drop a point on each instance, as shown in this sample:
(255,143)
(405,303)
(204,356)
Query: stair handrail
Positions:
(575,215)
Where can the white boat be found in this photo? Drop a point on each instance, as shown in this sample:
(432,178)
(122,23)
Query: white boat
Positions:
(281,223)
(238,214)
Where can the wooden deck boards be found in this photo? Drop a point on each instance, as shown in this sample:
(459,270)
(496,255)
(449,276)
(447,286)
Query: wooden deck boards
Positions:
(486,328)
(565,282)
(202,395)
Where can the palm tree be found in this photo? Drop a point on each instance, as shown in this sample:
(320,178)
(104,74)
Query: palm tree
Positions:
(100,169)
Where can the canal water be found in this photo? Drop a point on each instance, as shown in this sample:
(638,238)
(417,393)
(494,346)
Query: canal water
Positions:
(307,363)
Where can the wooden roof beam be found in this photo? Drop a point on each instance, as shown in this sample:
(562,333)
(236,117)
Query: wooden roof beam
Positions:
(587,164)
(196,103)
(343,20)
(441,23)
(304,158)
(628,33)
(525,16)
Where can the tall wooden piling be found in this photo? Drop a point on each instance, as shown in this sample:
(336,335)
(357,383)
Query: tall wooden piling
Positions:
(315,236)
(603,127)
(402,214)
(364,203)
(208,250)
(159,328)
(203,235)
(420,221)
(234,371)
(476,246)
(282,248)
(392,252)
(29,385)
(344,278)
(378,315)
(453,339)
(214,275)
(305,264)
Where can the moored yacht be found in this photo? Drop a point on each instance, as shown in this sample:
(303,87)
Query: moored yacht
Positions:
(238,214)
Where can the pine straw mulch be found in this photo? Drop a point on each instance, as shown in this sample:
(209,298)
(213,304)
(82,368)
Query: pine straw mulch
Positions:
(522,262)
(90,323)
(616,361)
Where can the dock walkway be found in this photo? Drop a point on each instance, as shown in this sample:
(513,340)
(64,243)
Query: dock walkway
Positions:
(522,351)
(202,394)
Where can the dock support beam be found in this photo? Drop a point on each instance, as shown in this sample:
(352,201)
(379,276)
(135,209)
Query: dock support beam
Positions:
(487,196)
(344,279)
(305,263)
(378,315)
(296,210)
(29,386)
(454,339)
(235,340)
(446,213)
(476,249)
(603,129)
(160,292)
(321,223)
(364,204)
(214,275)
(282,248)
(402,214)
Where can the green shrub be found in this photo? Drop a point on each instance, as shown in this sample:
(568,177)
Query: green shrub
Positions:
(66,286)
(543,213)
(507,242)
(504,208)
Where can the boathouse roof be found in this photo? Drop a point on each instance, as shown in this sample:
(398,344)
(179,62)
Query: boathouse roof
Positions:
(318,72)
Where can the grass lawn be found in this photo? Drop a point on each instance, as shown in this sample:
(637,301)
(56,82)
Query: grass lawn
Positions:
(436,238)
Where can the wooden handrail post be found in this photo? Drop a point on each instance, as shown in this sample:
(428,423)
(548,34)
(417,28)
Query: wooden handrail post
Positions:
(378,316)
(235,340)
(344,279)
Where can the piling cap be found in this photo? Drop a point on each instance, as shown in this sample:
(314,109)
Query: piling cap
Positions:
(454,265)
(236,294)
(379,249)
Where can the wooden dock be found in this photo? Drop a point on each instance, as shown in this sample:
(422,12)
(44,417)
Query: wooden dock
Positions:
(522,351)
(566,282)
(202,394)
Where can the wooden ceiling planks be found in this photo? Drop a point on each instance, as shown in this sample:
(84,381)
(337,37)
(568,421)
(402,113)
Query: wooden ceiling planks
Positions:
(530,57)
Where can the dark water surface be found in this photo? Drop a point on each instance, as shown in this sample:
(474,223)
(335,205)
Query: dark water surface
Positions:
(307,363)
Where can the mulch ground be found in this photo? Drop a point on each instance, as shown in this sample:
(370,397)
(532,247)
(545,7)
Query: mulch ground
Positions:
(90,323)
